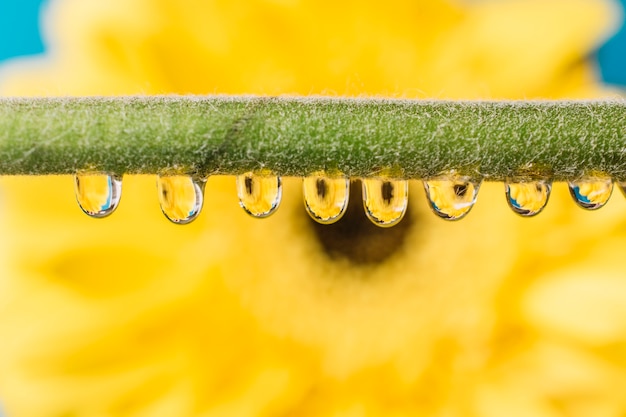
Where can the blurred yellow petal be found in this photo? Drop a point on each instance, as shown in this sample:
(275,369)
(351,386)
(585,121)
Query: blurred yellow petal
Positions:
(585,303)
(485,49)
(501,46)
(564,381)
(231,315)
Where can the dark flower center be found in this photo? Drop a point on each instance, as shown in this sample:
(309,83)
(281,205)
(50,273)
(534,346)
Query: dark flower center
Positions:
(355,238)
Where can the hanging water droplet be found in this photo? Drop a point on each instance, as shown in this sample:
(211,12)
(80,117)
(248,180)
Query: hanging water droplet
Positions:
(385,200)
(591,193)
(180,197)
(98,195)
(325,198)
(259,194)
(527,198)
(451,198)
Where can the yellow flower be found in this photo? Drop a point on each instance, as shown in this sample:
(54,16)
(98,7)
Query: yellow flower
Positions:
(493,315)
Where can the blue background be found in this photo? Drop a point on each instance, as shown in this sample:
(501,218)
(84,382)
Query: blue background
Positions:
(612,57)
(19,28)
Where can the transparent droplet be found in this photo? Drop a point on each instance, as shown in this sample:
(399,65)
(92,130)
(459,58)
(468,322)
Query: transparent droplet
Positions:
(259,194)
(451,198)
(180,197)
(591,193)
(527,198)
(385,200)
(98,195)
(325,198)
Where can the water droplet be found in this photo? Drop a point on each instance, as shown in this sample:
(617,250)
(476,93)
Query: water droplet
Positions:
(98,195)
(452,197)
(527,198)
(325,198)
(385,200)
(591,193)
(259,194)
(180,197)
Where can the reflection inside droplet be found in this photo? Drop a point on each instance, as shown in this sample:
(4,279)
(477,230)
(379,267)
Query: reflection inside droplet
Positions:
(385,200)
(180,197)
(591,193)
(259,194)
(98,195)
(451,197)
(527,198)
(325,198)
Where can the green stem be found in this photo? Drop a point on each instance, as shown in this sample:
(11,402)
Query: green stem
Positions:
(297,136)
